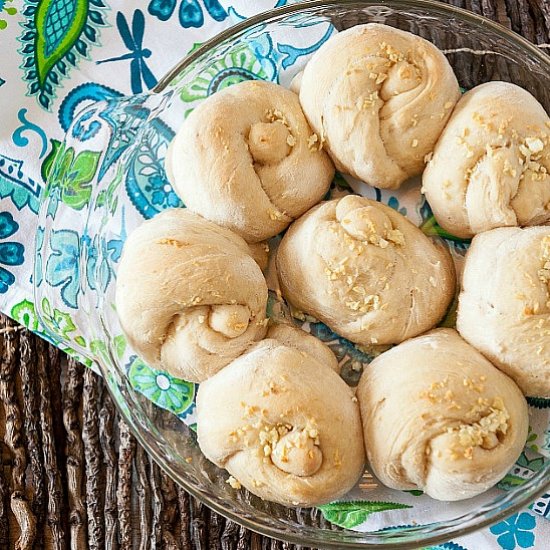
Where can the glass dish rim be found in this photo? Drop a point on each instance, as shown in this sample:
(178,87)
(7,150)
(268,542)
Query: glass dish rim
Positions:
(441,531)
(266,16)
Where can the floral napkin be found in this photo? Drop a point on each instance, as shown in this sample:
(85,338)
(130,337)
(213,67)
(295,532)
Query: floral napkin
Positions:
(66,54)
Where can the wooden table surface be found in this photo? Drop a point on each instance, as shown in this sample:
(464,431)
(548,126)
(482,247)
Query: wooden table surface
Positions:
(72,475)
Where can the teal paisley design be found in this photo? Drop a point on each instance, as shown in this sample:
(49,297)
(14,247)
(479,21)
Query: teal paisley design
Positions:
(167,392)
(56,34)
(19,137)
(102,255)
(238,65)
(146,182)
(23,191)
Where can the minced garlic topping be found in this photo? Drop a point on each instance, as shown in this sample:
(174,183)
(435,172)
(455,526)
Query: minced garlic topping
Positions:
(544,273)
(483,433)
(235,483)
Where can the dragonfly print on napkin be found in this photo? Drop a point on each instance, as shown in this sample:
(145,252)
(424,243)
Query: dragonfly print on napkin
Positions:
(133,40)
(57,33)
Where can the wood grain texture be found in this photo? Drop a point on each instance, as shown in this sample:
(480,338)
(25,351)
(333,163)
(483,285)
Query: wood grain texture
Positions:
(94,462)
(74,459)
(127,450)
(53,442)
(72,475)
(107,417)
(14,441)
(29,348)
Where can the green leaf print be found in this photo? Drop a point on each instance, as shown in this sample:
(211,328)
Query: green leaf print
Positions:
(58,322)
(119,343)
(76,187)
(431,228)
(98,348)
(195,46)
(78,357)
(48,161)
(415,492)
(109,197)
(354,513)
(24,313)
(70,175)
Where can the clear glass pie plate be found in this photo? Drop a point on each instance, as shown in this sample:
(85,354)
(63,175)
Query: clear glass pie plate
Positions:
(108,176)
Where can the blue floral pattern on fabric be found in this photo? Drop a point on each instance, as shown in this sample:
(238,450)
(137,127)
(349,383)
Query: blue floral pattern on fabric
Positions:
(276,57)
(112,168)
(163,389)
(190,12)
(62,265)
(161,192)
(102,255)
(516,531)
(11,252)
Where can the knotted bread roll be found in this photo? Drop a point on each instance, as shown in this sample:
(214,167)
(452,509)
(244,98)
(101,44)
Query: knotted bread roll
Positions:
(504,306)
(284,425)
(294,337)
(189,296)
(365,271)
(490,166)
(437,416)
(246,159)
(379,98)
